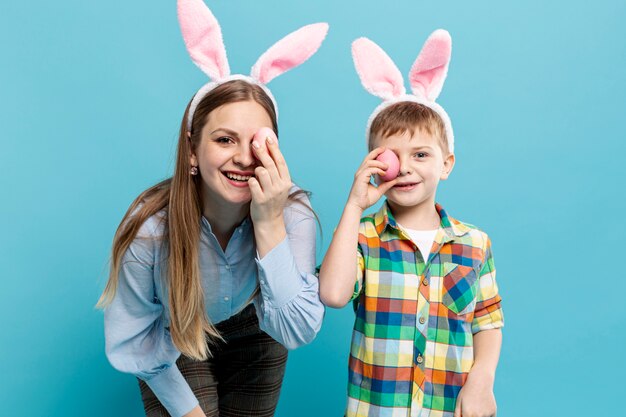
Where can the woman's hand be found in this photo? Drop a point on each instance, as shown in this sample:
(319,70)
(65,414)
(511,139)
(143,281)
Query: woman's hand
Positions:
(271,184)
(196,412)
(363,193)
(270,189)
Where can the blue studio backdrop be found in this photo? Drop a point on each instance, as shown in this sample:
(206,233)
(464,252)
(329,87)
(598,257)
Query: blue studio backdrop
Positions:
(91,98)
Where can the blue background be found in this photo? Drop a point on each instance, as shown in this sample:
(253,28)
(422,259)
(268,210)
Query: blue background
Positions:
(91,97)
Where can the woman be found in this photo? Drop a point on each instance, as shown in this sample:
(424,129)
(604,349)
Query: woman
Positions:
(212,270)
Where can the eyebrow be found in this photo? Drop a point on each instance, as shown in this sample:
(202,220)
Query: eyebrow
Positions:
(417,148)
(225,130)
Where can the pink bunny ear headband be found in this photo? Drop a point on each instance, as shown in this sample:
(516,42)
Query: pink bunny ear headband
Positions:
(381,77)
(203,39)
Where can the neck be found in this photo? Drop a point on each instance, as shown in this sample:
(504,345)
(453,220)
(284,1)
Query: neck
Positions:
(224,218)
(421,217)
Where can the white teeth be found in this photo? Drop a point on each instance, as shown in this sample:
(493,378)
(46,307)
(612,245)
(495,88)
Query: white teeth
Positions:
(236,177)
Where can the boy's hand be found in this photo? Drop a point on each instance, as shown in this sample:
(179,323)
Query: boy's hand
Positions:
(476,398)
(363,193)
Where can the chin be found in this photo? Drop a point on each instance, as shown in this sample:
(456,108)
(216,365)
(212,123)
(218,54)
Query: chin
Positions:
(240,199)
(407,201)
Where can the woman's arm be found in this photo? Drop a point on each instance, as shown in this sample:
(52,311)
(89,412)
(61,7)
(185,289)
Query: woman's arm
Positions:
(136,339)
(289,308)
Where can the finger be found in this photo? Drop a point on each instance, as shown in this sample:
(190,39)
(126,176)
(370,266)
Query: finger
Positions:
(263,177)
(386,186)
(378,164)
(372,155)
(374,171)
(264,157)
(457,408)
(372,167)
(255,189)
(279,160)
(375,152)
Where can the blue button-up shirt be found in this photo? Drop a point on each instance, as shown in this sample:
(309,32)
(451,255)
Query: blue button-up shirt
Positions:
(288,306)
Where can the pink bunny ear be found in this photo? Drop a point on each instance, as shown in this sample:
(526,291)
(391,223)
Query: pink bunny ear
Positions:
(203,38)
(289,52)
(430,69)
(379,75)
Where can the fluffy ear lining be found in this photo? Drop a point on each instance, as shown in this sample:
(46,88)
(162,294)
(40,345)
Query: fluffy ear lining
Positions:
(430,69)
(289,52)
(378,73)
(203,38)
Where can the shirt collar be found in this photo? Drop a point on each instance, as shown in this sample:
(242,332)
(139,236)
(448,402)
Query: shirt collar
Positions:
(452,228)
(244,225)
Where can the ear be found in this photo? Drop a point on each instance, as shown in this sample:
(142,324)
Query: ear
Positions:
(193,159)
(379,75)
(289,52)
(448,166)
(429,70)
(203,38)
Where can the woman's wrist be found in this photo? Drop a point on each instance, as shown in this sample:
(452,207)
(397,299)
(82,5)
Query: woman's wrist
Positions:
(269,225)
(268,234)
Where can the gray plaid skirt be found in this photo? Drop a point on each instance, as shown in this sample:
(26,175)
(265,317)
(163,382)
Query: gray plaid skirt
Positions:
(243,378)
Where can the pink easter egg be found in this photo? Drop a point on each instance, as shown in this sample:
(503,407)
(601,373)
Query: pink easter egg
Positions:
(391,159)
(262,134)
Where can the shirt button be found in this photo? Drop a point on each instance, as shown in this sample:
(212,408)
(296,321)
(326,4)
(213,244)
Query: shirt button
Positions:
(227,267)
(226,298)
(425,282)
(422,320)
(262,282)
(420,359)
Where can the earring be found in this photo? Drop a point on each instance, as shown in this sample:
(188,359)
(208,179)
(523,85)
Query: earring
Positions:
(193,170)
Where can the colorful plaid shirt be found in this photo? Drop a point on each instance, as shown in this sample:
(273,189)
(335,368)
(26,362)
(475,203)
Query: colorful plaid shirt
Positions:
(412,344)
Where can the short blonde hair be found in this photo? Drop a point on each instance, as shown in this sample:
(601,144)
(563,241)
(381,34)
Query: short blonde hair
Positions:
(409,117)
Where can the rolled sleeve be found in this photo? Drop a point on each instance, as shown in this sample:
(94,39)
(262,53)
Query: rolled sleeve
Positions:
(360,270)
(488,312)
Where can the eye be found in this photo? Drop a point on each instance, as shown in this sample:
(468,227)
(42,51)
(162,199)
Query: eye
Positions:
(224,140)
(420,155)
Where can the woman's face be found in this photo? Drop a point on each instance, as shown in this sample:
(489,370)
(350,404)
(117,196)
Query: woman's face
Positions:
(224,154)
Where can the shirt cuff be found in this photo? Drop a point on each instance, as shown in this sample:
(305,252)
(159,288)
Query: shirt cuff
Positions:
(171,388)
(488,318)
(279,277)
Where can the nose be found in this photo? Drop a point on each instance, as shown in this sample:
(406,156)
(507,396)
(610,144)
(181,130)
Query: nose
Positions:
(244,156)
(405,166)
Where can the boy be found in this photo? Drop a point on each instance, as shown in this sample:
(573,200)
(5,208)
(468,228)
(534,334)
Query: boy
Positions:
(427,337)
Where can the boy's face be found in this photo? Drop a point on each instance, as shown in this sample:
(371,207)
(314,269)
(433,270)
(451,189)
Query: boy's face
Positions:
(422,165)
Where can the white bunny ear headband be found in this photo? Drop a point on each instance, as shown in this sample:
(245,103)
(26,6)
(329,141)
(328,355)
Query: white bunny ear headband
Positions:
(203,39)
(381,77)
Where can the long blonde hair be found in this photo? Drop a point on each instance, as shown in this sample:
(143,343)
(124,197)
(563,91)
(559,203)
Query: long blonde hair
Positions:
(179,198)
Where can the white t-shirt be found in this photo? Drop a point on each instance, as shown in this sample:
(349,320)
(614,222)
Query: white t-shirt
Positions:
(423,239)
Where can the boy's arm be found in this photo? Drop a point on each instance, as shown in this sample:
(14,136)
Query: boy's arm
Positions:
(338,271)
(476,398)
(339,267)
